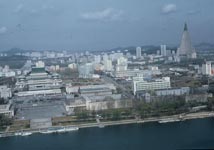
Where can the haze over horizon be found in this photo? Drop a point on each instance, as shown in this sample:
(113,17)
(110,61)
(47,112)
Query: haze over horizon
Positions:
(102,24)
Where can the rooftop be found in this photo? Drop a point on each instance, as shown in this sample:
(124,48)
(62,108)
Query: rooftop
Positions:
(38,70)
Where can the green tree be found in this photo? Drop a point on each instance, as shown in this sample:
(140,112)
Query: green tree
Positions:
(115,115)
(82,115)
(4,121)
(210,104)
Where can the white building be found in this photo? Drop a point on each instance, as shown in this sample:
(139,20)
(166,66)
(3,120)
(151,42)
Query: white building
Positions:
(40,64)
(153,68)
(58,55)
(74,89)
(105,57)
(50,54)
(122,64)
(115,56)
(107,65)
(207,68)
(39,92)
(163,50)
(5,92)
(138,52)
(96,103)
(97,59)
(133,73)
(7,72)
(72,66)
(36,54)
(86,70)
(140,84)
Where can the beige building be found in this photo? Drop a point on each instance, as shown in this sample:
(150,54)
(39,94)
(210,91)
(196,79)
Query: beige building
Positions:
(7,110)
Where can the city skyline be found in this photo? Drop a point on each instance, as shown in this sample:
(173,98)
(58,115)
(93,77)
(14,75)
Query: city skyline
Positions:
(106,74)
(46,25)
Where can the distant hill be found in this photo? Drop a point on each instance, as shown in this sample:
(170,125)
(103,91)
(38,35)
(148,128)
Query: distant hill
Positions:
(205,46)
(149,49)
(12,51)
(15,62)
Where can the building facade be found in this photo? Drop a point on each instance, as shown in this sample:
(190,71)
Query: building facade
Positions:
(140,84)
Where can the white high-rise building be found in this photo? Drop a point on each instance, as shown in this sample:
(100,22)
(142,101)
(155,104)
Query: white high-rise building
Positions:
(107,65)
(121,61)
(86,70)
(97,59)
(122,64)
(138,52)
(163,50)
(207,68)
(105,57)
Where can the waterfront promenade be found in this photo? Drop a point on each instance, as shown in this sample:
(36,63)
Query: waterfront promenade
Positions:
(180,117)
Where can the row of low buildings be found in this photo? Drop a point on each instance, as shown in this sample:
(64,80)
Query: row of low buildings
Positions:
(95,97)
(97,102)
(135,72)
(75,89)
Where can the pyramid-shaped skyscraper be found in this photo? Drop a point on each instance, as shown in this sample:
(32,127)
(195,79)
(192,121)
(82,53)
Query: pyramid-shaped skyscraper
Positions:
(186,49)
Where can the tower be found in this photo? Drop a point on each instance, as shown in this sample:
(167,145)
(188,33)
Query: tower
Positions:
(186,49)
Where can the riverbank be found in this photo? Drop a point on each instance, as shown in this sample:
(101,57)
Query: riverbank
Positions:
(174,118)
(164,119)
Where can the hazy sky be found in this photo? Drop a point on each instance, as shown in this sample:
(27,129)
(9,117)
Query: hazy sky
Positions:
(102,24)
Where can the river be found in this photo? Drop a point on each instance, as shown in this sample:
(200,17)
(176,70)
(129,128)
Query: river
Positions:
(191,134)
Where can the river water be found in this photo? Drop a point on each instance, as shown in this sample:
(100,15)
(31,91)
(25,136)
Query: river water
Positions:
(192,134)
